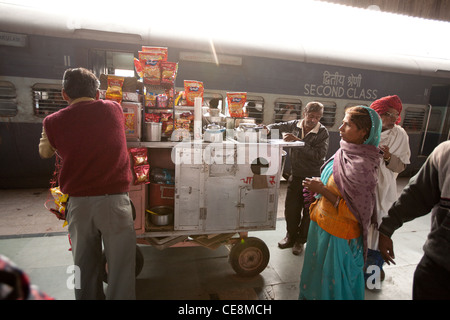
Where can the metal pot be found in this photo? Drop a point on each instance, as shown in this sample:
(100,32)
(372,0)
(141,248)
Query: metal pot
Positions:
(213,133)
(250,132)
(161,215)
(153,131)
(238,121)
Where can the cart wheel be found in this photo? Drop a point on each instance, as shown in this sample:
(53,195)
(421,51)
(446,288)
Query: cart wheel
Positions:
(249,257)
(139,264)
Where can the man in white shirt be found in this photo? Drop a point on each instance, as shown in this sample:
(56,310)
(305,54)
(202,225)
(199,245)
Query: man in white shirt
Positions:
(396,155)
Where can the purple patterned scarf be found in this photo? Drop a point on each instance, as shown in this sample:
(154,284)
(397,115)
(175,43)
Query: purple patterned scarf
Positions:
(355,171)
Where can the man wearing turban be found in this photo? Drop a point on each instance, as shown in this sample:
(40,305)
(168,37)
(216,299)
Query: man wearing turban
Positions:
(396,155)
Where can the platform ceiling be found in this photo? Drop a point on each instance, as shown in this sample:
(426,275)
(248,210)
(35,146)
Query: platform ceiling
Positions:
(427,9)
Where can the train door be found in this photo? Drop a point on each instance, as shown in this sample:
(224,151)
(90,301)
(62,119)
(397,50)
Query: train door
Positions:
(111,62)
(437,127)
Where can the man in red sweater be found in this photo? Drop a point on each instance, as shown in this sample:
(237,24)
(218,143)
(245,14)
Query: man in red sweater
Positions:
(89,137)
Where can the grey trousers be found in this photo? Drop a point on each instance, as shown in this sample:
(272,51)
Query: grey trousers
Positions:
(106,220)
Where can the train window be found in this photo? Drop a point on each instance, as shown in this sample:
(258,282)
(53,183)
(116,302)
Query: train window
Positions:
(414,119)
(111,62)
(208,96)
(329,113)
(255,108)
(8,102)
(435,122)
(47,99)
(287,109)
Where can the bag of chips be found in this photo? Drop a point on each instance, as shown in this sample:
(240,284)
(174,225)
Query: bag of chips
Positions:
(147,66)
(150,63)
(140,165)
(236,102)
(193,89)
(141,174)
(162,101)
(152,117)
(138,67)
(167,123)
(139,156)
(150,99)
(168,72)
(162,51)
(60,201)
(114,91)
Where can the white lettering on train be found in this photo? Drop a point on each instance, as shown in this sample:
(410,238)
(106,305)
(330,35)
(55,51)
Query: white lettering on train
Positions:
(334,86)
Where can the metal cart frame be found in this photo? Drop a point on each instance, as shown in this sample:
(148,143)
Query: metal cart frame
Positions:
(222,191)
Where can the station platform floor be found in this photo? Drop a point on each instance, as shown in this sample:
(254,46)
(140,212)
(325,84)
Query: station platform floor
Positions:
(37,242)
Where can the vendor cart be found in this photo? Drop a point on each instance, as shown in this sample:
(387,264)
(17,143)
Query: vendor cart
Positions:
(221,191)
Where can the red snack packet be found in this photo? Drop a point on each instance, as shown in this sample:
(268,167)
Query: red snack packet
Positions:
(236,102)
(152,117)
(139,156)
(114,91)
(138,67)
(141,174)
(150,63)
(168,72)
(193,89)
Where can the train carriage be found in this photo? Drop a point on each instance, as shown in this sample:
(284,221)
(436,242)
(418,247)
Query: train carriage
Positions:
(36,46)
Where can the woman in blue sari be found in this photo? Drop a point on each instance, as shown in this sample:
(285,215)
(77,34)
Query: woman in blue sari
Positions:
(341,214)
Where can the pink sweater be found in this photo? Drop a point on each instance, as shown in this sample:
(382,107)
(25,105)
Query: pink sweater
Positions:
(90,138)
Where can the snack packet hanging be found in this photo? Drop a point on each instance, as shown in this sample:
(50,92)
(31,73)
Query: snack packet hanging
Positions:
(60,201)
(150,99)
(114,91)
(167,123)
(141,174)
(138,67)
(163,51)
(162,101)
(193,89)
(152,117)
(139,156)
(150,63)
(182,124)
(236,102)
(168,72)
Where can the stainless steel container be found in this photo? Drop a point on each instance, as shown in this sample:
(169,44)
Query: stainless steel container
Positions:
(153,131)
(161,215)
(250,132)
(213,133)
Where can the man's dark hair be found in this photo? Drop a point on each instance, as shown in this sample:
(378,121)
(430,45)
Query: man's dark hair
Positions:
(314,106)
(80,82)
